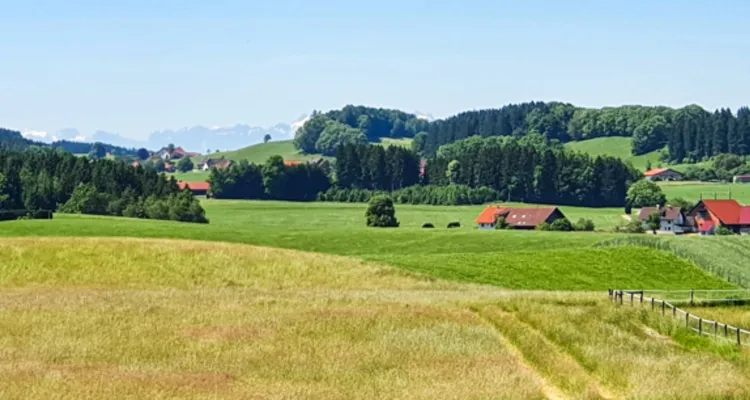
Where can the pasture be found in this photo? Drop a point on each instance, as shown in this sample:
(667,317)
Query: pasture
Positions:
(130,318)
(509,259)
(259,153)
(294,300)
(694,191)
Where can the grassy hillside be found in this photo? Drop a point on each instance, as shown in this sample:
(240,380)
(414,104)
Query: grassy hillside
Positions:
(511,259)
(722,256)
(615,147)
(708,190)
(133,318)
(259,153)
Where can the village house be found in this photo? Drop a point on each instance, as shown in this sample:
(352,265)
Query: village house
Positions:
(671,219)
(741,179)
(168,167)
(662,174)
(197,188)
(518,217)
(209,163)
(709,215)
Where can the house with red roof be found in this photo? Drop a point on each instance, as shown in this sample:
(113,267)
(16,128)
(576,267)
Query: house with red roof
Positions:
(662,174)
(709,215)
(198,188)
(518,217)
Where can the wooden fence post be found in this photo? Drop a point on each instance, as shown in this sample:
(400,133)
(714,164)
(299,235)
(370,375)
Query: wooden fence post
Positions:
(674,312)
(631,298)
(692,293)
(726,330)
(641,297)
(700,326)
(738,337)
(652,304)
(663,308)
(716,328)
(687,320)
(609,292)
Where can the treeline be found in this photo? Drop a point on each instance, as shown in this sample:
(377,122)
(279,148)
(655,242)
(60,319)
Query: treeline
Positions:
(44,179)
(690,134)
(272,181)
(372,167)
(96,149)
(14,141)
(324,132)
(532,172)
(453,195)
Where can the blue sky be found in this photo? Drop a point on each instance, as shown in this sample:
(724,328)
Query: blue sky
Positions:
(139,66)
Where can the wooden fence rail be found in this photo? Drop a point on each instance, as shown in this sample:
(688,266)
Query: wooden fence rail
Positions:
(700,325)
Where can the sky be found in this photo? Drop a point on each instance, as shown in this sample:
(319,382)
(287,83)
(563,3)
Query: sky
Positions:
(133,67)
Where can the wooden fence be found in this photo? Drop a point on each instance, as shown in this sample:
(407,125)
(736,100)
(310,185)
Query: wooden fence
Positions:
(700,325)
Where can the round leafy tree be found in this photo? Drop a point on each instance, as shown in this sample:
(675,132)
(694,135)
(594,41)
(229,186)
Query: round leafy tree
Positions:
(381,213)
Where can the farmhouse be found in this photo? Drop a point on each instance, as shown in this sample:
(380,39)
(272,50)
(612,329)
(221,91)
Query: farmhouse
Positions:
(671,219)
(741,179)
(198,188)
(709,215)
(168,167)
(518,217)
(292,163)
(209,163)
(662,174)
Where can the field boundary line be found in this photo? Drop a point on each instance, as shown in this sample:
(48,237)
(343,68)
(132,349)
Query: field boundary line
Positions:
(707,327)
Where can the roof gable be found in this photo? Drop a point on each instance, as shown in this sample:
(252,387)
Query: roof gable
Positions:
(659,171)
(727,211)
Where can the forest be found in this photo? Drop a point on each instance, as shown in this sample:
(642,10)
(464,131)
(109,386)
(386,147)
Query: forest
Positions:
(271,181)
(324,132)
(690,134)
(528,170)
(47,179)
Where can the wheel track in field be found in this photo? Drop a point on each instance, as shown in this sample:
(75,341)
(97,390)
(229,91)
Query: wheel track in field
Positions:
(551,391)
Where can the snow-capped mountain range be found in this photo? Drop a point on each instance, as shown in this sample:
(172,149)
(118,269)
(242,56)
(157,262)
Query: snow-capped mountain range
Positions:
(197,138)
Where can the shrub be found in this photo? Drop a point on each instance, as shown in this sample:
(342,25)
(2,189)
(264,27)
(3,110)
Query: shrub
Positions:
(86,200)
(561,225)
(544,226)
(634,226)
(584,225)
(454,224)
(381,212)
(428,225)
(501,223)
(724,231)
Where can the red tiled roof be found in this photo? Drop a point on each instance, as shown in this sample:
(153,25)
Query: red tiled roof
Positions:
(168,165)
(727,211)
(490,214)
(744,218)
(194,185)
(292,163)
(179,150)
(659,171)
(706,226)
(136,164)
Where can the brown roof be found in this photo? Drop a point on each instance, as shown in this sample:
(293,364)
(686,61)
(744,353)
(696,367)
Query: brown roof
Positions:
(194,186)
(666,213)
(528,217)
(517,217)
(659,171)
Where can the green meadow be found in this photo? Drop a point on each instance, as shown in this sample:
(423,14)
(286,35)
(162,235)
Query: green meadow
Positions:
(301,300)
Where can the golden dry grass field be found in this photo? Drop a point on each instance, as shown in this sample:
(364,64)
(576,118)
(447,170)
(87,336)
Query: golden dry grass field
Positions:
(131,318)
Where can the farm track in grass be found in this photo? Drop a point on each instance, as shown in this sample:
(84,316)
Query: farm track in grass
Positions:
(137,318)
